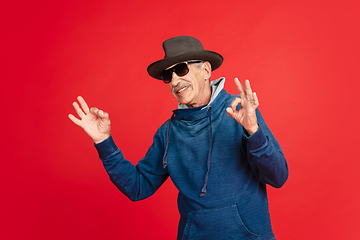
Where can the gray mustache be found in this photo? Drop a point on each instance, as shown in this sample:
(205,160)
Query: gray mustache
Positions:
(181,85)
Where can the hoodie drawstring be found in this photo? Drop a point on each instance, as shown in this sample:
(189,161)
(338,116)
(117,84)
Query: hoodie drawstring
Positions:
(203,190)
(167,141)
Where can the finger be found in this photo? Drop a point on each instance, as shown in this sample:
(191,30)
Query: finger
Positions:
(74,119)
(94,110)
(78,110)
(229,111)
(105,117)
(248,90)
(239,87)
(256,100)
(103,114)
(235,103)
(83,104)
(99,113)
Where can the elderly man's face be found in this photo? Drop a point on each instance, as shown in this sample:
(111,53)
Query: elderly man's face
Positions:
(193,89)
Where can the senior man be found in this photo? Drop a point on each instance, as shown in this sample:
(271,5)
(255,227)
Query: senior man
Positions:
(216,148)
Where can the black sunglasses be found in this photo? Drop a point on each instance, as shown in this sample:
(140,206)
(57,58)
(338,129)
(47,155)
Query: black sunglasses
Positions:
(180,69)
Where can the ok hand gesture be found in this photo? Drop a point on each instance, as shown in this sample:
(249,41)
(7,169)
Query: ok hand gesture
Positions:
(249,102)
(95,122)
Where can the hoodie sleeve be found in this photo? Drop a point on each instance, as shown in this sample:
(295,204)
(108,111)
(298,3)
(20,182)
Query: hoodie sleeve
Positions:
(139,181)
(265,156)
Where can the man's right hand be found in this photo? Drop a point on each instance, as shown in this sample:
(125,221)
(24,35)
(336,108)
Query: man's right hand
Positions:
(95,122)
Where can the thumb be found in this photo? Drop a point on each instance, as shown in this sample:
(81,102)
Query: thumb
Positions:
(230,112)
(99,113)
(94,110)
(103,115)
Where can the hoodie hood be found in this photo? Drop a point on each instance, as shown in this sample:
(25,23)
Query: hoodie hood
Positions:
(216,87)
(194,120)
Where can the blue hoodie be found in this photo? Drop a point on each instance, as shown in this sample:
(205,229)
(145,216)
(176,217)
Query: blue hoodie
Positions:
(221,173)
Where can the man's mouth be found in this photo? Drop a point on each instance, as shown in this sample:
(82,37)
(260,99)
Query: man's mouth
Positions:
(180,89)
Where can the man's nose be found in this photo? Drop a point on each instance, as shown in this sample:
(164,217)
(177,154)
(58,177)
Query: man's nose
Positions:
(175,79)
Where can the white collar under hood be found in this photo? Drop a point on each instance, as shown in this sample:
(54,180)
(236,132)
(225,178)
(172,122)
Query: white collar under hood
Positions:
(216,86)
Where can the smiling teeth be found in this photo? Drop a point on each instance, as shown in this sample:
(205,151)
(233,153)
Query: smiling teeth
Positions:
(183,89)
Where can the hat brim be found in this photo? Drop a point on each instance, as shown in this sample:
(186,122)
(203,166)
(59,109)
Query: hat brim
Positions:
(157,67)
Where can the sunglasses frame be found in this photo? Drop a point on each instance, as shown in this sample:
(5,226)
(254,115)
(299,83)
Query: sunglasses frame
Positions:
(171,70)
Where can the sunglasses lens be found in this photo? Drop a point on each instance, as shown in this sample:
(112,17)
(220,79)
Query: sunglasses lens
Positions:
(181,69)
(166,75)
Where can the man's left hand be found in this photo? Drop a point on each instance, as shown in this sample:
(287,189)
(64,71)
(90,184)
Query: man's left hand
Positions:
(248,100)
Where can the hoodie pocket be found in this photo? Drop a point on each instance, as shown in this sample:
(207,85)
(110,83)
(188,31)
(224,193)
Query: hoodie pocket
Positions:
(221,223)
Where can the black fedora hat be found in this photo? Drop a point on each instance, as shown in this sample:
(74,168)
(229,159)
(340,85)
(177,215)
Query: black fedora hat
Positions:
(183,48)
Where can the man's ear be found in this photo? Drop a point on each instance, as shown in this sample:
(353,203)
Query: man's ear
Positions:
(207,68)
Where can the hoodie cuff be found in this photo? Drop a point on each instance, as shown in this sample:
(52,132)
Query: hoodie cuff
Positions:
(106,147)
(256,140)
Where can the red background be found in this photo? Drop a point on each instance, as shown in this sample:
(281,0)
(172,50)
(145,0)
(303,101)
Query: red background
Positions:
(302,59)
